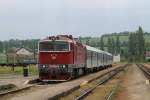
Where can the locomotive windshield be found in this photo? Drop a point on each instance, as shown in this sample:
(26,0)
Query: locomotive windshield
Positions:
(54,46)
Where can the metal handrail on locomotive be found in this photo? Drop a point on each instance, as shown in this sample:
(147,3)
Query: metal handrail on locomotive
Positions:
(62,58)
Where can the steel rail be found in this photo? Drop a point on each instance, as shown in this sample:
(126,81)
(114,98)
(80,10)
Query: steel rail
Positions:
(145,70)
(33,83)
(15,91)
(116,71)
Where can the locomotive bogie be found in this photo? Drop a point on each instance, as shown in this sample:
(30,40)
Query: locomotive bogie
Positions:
(54,72)
(60,72)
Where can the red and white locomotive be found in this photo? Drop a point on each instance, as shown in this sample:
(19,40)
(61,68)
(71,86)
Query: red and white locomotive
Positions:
(62,58)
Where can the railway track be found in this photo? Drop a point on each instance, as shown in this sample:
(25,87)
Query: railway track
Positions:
(145,70)
(14,91)
(90,86)
(25,88)
(36,87)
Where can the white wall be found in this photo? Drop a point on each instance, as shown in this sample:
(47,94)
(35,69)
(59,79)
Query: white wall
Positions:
(116,58)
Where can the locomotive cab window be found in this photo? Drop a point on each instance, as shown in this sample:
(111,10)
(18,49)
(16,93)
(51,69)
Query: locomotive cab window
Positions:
(54,46)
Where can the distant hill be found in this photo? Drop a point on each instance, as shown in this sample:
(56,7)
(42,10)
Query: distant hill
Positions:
(94,41)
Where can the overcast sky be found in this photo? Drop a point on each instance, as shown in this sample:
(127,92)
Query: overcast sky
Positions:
(26,19)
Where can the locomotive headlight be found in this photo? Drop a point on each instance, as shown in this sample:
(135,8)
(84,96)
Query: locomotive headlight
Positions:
(44,66)
(64,66)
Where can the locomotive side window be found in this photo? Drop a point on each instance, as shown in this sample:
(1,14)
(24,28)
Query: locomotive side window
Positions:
(54,46)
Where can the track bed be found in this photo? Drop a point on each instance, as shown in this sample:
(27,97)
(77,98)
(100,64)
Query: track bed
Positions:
(51,90)
(134,86)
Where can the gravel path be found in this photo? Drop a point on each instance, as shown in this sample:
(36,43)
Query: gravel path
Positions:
(134,86)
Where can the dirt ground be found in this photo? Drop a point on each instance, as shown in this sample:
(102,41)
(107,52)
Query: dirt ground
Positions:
(133,86)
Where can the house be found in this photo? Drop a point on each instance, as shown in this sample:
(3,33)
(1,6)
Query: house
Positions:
(116,58)
(24,52)
(20,55)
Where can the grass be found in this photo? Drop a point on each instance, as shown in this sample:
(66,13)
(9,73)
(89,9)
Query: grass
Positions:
(33,70)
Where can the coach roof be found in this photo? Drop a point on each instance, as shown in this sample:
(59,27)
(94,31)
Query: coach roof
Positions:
(108,53)
(93,49)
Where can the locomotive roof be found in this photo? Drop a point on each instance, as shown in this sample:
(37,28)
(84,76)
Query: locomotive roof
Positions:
(55,40)
(67,38)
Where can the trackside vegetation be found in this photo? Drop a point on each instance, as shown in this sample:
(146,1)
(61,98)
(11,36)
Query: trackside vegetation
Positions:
(33,70)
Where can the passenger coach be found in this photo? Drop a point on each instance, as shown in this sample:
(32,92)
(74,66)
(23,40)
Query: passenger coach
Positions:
(62,58)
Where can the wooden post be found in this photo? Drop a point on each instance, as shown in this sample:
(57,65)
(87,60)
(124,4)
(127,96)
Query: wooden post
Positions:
(13,68)
(25,70)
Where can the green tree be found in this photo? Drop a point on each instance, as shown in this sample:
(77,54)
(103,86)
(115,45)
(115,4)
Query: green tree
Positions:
(140,43)
(131,47)
(117,44)
(101,43)
(136,45)
(109,45)
(1,46)
(87,41)
(113,46)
